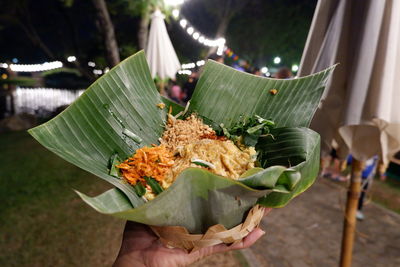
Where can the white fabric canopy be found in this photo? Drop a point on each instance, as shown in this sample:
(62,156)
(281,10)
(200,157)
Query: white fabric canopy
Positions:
(160,53)
(360,111)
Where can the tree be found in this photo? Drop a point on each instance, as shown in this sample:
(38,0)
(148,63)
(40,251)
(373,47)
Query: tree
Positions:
(30,17)
(18,14)
(106,28)
(223,11)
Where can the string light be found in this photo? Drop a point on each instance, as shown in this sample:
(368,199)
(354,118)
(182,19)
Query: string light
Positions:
(219,43)
(46,66)
(200,63)
(196,35)
(183,23)
(188,65)
(97,72)
(71,58)
(264,70)
(192,65)
(277,60)
(175,13)
(33,67)
(295,68)
(190,30)
(185,72)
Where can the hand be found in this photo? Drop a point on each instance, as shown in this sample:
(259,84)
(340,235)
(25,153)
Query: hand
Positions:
(141,247)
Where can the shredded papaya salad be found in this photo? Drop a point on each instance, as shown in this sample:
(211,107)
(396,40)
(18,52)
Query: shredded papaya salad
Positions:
(191,143)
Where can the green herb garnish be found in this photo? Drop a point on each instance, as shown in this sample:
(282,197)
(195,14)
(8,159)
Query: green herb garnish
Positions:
(114,171)
(248,130)
(155,186)
(203,163)
(139,189)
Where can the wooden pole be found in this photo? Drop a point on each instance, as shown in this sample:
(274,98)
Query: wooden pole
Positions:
(351,210)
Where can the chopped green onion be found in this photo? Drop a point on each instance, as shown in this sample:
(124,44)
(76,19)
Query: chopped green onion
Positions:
(186,107)
(132,136)
(254,129)
(114,160)
(264,121)
(139,189)
(155,186)
(203,163)
(225,131)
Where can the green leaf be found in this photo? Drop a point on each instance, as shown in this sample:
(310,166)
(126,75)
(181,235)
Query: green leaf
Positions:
(114,160)
(251,139)
(92,129)
(155,186)
(197,200)
(267,178)
(176,108)
(224,95)
(89,131)
(140,189)
(298,148)
(254,129)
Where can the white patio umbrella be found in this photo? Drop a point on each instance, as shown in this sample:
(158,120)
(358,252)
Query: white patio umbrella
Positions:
(361,105)
(160,53)
(360,110)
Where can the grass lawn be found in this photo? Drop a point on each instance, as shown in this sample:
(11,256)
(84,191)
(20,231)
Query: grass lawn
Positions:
(42,221)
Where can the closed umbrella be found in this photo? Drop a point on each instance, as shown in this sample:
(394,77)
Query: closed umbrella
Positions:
(160,53)
(361,100)
(360,111)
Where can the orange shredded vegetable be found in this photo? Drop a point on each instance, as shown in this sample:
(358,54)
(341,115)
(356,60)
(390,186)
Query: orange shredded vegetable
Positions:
(147,161)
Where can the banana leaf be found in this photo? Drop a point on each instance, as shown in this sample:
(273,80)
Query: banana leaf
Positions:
(118,114)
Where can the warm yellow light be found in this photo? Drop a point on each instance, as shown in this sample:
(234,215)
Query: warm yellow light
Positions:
(4,76)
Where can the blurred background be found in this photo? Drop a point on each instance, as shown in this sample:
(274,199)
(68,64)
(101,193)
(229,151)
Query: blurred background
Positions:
(52,50)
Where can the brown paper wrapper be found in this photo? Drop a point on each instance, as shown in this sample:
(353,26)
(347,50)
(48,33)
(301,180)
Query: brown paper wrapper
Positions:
(179,237)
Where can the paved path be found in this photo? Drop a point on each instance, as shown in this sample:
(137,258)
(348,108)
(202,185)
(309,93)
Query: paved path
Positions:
(307,232)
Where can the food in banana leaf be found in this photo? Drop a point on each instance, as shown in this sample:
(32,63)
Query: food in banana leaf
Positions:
(191,143)
(122,113)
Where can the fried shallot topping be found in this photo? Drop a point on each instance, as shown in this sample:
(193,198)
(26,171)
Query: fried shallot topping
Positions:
(183,132)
